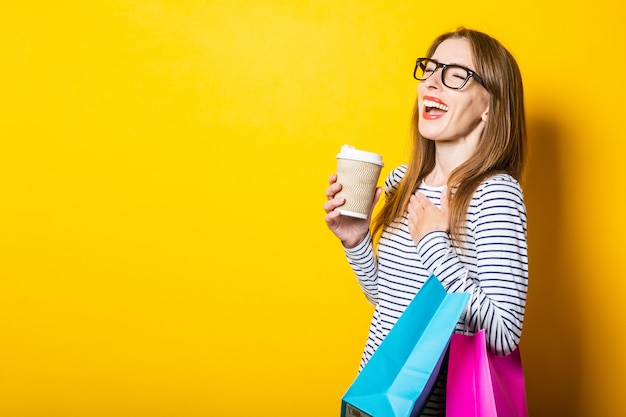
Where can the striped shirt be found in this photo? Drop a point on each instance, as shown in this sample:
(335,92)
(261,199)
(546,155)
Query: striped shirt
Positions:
(492,267)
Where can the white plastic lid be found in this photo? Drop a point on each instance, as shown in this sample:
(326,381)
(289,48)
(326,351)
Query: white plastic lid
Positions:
(348,152)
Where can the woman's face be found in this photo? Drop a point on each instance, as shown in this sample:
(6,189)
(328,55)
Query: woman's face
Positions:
(448,115)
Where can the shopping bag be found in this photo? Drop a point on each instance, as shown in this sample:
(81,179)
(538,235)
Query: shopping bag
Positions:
(399,376)
(482,384)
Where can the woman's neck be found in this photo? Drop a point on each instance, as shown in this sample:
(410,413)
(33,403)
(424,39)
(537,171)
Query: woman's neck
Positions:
(437,177)
(448,157)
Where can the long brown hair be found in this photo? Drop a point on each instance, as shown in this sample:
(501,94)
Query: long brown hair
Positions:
(501,148)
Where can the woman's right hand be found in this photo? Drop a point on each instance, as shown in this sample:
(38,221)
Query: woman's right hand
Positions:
(350,230)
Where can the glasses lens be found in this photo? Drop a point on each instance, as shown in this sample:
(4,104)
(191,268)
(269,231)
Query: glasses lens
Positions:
(424,69)
(454,77)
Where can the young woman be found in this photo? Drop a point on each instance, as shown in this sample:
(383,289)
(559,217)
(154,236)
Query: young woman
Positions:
(456,209)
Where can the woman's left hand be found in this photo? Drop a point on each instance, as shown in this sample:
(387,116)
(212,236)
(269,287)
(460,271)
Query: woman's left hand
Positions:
(425,217)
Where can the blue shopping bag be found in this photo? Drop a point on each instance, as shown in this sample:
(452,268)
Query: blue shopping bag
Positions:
(399,376)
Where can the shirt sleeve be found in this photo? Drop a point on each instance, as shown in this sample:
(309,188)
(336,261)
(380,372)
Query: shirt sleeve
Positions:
(363,261)
(362,258)
(498,282)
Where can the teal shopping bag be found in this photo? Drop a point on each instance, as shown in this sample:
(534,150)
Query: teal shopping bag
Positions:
(399,376)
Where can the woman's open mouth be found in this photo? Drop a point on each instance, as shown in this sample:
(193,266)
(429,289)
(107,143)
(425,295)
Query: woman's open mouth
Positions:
(433,108)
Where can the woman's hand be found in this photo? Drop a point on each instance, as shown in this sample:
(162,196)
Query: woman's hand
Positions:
(350,230)
(425,217)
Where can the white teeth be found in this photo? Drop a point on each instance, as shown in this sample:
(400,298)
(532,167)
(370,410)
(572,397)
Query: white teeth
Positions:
(430,103)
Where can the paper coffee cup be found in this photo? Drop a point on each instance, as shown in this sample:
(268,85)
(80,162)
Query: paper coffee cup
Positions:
(357,172)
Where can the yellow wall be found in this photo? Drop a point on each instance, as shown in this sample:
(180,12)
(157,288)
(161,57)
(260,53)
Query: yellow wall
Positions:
(163,250)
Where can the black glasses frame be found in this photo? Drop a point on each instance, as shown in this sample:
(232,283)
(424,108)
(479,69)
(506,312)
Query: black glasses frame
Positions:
(421,62)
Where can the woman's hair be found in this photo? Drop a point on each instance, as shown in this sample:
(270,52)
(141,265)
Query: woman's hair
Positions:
(500,149)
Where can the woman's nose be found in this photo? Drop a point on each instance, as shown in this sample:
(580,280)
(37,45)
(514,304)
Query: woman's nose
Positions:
(434,81)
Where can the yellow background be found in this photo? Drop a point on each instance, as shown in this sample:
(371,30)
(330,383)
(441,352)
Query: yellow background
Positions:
(162,175)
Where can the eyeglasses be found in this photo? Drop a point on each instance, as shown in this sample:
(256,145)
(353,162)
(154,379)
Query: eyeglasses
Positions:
(452,76)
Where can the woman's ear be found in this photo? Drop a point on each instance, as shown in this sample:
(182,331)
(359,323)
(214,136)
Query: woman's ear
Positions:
(485,116)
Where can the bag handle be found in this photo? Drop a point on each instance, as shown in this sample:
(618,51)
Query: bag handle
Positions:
(463,284)
(469,304)
(467,313)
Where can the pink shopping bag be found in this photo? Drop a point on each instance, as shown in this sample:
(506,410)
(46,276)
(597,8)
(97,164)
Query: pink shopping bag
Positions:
(481,384)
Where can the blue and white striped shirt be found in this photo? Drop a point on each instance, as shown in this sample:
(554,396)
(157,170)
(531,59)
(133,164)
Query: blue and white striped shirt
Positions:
(492,266)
